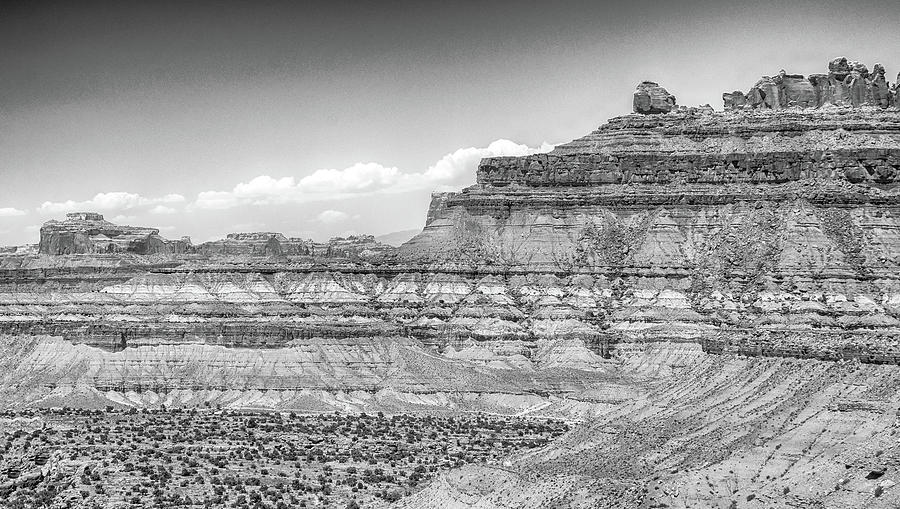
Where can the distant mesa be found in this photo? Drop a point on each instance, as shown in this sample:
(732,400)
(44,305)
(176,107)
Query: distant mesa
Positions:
(273,244)
(90,233)
(256,236)
(256,244)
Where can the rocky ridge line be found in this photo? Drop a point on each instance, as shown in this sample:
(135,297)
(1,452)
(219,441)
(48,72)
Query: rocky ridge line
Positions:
(847,83)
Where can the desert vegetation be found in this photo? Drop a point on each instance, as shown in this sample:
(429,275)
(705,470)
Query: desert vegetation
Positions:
(242,459)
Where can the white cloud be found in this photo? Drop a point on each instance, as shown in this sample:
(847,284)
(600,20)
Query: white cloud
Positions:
(11,212)
(123,219)
(216,200)
(332,216)
(450,172)
(359,178)
(116,200)
(162,209)
(458,168)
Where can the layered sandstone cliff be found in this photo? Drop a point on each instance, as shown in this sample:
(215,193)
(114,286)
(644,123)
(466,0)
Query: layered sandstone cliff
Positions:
(775,229)
(89,232)
(754,231)
(715,295)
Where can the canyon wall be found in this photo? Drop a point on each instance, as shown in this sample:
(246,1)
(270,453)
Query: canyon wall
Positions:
(764,221)
(757,231)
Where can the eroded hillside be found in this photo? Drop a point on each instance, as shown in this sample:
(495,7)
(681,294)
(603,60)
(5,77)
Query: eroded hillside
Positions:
(712,297)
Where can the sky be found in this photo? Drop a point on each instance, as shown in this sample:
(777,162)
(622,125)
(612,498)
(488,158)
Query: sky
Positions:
(319,119)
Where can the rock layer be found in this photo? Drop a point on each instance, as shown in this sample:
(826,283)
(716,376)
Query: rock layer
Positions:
(88,232)
(651,98)
(847,83)
(755,231)
(773,229)
(715,295)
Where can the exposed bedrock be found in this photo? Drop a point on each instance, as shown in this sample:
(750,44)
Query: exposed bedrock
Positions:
(769,230)
(709,431)
(847,83)
(89,232)
(752,288)
(791,230)
(651,98)
(702,147)
(759,219)
(358,374)
(276,245)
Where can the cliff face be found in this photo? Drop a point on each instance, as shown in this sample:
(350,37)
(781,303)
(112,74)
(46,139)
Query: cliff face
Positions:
(672,182)
(827,143)
(766,231)
(715,295)
(88,232)
(774,227)
(847,83)
(255,244)
(276,245)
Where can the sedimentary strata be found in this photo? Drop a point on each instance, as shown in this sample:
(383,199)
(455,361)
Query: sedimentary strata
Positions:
(766,232)
(651,98)
(716,295)
(847,83)
(89,232)
(764,221)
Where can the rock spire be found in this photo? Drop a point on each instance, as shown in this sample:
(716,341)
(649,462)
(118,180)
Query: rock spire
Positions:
(847,83)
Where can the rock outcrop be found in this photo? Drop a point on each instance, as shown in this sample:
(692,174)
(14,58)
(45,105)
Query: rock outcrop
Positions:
(760,219)
(276,245)
(363,247)
(88,233)
(847,83)
(650,98)
(256,244)
(714,295)
(764,231)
